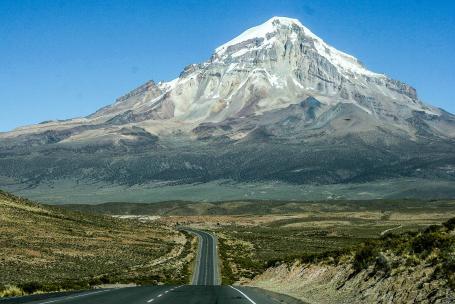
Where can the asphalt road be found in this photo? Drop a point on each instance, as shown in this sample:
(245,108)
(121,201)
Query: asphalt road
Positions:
(186,294)
(206,269)
(205,288)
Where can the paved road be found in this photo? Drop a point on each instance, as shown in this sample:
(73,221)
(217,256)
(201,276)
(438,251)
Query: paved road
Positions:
(186,294)
(205,288)
(206,269)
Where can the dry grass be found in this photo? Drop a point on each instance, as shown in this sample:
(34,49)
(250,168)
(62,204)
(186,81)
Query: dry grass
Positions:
(11,291)
(253,242)
(51,246)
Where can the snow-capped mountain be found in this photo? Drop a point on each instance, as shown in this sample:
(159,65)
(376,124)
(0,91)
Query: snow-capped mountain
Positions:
(268,67)
(274,83)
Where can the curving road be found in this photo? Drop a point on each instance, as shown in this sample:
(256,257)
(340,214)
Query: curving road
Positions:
(206,268)
(205,288)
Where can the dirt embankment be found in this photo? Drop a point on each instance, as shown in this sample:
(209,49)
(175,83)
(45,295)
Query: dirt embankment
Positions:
(411,267)
(339,284)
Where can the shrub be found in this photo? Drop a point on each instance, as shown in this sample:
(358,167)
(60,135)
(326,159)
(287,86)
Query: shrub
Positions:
(364,256)
(94,281)
(425,242)
(451,281)
(450,224)
(74,285)
(31,287)
(105,279)
(383,264)
(449,265)
(432,229)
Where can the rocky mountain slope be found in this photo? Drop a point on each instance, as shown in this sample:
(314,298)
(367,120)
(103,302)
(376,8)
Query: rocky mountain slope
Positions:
(276,103)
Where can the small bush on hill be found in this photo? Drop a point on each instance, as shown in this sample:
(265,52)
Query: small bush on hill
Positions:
(10,291)
(450,224)
(31,287)
(365,256)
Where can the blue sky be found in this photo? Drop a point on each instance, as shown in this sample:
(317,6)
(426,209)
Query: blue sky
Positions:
(62,59)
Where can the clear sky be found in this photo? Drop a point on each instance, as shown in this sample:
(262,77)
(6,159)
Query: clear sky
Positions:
(62,59)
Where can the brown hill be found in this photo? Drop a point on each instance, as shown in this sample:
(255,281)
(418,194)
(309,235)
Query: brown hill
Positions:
(48,248)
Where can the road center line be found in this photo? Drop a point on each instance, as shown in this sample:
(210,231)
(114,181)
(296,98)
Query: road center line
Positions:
(161,294)
(206,272)
(243,294)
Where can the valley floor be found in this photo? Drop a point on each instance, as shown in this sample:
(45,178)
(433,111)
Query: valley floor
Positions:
(319,252)
(76,192)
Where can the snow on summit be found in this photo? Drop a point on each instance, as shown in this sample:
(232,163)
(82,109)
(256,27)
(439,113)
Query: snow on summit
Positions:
(266,68)
(260,31)
(341,60)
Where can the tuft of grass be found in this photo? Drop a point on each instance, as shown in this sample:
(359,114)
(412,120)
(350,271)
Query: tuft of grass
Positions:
(11,291)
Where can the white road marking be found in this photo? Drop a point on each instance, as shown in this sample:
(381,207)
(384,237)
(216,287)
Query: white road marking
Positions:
(160,295)
(215,261)
(206,272)
(73,297)
(243,294)
(197,266)
(214,258)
